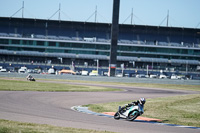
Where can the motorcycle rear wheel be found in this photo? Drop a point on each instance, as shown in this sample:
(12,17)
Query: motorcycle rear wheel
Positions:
(117,116)
(132,115)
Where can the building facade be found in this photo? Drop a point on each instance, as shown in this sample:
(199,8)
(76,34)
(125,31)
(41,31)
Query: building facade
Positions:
(61,42)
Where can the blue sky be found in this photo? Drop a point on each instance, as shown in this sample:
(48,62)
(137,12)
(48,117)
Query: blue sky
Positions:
(182,13)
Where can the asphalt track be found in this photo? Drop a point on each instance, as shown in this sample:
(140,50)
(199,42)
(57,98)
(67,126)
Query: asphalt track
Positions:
(54,108)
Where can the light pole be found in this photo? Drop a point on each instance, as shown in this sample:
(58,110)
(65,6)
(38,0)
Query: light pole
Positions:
(97,60)
(186,67)
(97,66)
(61,59)
(122,66)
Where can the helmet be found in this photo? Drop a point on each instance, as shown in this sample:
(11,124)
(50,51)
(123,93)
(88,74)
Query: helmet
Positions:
(142,100)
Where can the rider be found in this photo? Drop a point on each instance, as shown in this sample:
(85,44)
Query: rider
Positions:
(141,102)
(29,77)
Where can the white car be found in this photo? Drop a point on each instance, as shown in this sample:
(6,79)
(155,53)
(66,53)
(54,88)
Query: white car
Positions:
(153,76)
(175,76)
(140,76)
(93,74)
(119,75)
(22,70)
(3,70)
(162,76)
(84,73)
(51,71)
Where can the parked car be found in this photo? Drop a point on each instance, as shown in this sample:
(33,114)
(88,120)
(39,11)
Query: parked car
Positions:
(162,76)
(173,76)
(119,75)
(94,73)
(3,70)
(78,73)
(84,73)
(22,70)
(51,71)
(63,71)
(140,76)
(153,76)
(30,71)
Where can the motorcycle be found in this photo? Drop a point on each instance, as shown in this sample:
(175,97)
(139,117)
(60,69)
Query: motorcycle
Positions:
(129,113)
(31,79)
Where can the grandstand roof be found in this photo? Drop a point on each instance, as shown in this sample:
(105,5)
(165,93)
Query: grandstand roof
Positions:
(123,26)
(102,31)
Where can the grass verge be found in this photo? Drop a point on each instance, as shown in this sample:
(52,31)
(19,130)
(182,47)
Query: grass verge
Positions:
(139,85)
(15,85)
(180,110)
(144,85)
(19,127)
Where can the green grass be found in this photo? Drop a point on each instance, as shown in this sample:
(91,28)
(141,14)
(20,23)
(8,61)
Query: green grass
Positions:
(180,110)
(144,85)
(19,127)
(139,85)
(15,85)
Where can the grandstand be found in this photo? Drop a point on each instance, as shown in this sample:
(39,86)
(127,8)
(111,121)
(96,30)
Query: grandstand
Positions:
(39,40)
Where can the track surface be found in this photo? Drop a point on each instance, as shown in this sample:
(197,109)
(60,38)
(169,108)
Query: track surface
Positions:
(54,108)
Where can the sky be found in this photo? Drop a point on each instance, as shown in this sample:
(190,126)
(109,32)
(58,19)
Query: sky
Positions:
(182,13)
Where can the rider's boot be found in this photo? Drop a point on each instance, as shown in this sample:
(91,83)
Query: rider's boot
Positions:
(122,110)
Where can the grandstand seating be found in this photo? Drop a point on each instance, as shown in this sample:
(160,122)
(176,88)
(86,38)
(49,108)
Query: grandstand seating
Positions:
(184,61)
(40,36)
(128,34)
(161,43)
(64,38)
(4,34)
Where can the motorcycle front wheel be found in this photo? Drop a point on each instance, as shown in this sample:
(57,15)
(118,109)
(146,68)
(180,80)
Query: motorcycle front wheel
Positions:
(132,115)
(117,116)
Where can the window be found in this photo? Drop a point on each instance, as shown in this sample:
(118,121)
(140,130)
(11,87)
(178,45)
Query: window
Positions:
(92,46)
(77,45)
(52,44)
(27,42)
(68,45)
(40,43)
(15,41)
(103,47)
(3,41)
